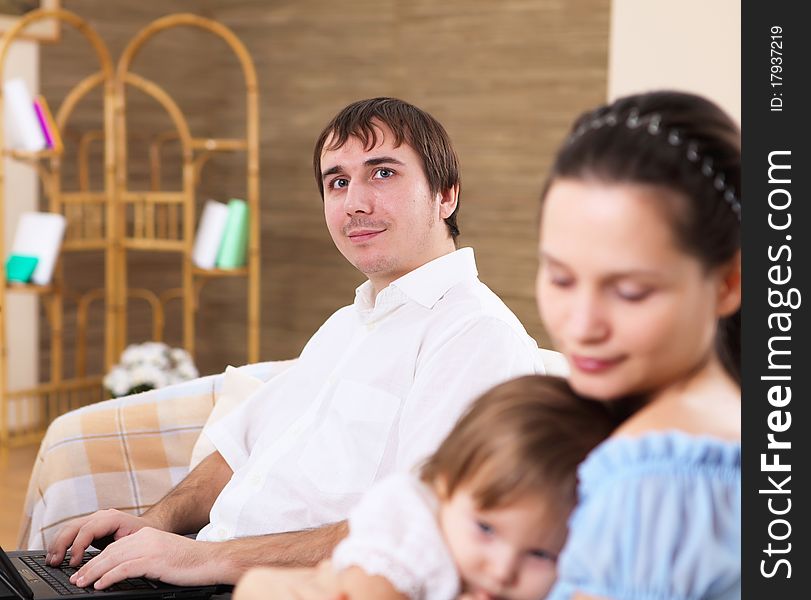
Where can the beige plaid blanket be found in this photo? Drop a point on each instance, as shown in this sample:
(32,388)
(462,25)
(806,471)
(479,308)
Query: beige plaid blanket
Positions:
(125,453)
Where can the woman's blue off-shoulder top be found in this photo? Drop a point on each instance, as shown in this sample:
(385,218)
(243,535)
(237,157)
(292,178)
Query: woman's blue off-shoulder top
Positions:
(658,518)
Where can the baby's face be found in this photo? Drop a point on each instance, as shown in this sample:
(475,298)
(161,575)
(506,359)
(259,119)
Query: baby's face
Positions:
(507,552)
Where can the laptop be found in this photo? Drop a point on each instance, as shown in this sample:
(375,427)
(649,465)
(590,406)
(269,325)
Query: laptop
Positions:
(25,575)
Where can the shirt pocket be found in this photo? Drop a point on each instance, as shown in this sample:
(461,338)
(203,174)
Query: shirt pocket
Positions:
(345,450)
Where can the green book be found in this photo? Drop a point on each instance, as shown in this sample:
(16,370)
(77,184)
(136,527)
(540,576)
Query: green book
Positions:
(234,245)
(19,268)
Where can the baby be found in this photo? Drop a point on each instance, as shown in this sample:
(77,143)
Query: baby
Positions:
(486,518)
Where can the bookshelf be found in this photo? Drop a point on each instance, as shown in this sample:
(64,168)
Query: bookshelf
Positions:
(153,219)
(119,219)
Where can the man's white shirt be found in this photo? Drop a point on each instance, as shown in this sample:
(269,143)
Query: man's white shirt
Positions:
(375,391)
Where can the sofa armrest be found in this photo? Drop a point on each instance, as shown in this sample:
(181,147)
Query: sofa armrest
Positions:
(125,453)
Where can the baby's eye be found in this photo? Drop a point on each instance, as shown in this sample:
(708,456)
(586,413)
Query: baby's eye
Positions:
(339,182)
(383,173)
(543,555)
(484,527)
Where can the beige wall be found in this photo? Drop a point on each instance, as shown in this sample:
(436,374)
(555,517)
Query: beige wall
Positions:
(21,194)
(693,45)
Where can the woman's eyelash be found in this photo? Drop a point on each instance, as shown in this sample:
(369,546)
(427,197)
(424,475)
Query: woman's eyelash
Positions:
(634,295)
(561,281)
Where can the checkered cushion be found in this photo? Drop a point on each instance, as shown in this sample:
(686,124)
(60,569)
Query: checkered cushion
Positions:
(125,453)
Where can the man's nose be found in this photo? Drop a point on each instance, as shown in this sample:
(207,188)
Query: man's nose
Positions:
(358,199)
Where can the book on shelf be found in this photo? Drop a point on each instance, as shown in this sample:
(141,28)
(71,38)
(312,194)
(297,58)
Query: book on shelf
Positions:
(39,235)
(22,124)
(221,241)
(49,128)
(234,245)
(19,268)
(209,234)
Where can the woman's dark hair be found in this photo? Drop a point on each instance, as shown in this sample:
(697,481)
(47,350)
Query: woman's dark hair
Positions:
(410,125)
(680,142)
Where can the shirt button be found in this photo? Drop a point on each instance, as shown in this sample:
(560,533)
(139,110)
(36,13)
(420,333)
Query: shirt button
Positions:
(255,479)
(370,326)
(222,533)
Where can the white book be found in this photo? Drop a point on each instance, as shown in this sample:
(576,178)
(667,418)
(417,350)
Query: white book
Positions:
(209,234)
(40,234)
(22,124)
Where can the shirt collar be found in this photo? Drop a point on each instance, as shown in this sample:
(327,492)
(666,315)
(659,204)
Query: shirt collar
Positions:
(424,285)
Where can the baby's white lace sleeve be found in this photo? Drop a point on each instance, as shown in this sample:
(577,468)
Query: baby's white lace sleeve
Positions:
(394,533)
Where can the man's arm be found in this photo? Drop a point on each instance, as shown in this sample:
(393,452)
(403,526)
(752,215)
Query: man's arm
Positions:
(183,510)
(181,561)
(186,508)
(470,358)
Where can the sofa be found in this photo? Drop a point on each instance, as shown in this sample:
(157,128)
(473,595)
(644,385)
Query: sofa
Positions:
(128,452)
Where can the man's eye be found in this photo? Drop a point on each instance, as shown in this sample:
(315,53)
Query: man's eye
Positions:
(339,182)
(383,173)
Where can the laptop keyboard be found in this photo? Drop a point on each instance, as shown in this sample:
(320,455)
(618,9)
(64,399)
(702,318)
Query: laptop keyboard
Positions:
(58,577)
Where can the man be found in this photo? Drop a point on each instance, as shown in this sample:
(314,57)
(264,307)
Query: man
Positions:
(374,391)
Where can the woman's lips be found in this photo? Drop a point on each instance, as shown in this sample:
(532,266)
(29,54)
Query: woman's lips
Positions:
(594,365)
(364,235)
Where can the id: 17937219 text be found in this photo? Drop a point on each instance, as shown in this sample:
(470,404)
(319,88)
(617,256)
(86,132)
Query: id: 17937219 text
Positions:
(776,68)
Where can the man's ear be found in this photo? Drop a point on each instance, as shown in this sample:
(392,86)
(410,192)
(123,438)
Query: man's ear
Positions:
(448,201)
(729,288)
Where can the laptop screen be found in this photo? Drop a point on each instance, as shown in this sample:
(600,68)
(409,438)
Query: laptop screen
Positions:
(12,578)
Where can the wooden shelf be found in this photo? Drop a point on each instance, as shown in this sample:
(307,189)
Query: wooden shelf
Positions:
(30,156)
(238,272)
(30,288)
(219,144)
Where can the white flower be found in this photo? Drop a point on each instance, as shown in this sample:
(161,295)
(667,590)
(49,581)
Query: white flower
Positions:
(186,371)
(117,381)
(149,365)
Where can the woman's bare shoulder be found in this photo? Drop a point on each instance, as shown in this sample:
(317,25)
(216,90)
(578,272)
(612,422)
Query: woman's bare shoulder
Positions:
(717,415)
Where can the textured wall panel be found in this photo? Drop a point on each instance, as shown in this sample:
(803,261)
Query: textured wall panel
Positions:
(505,78)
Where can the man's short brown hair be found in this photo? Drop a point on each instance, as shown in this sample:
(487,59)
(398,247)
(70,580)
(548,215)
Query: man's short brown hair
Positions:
(409,124)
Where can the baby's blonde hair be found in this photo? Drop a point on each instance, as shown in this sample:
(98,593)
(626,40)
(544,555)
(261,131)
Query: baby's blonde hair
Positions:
(527,435)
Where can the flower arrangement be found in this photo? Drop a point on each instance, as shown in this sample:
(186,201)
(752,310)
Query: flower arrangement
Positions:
(148,366)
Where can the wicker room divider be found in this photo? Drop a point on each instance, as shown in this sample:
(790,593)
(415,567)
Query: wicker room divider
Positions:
(117,220)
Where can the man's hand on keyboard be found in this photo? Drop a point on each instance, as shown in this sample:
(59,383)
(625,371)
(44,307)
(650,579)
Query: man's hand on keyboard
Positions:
(153,554)
(79,533)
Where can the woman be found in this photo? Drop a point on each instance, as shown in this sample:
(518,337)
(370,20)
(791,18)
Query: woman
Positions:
(639,287)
